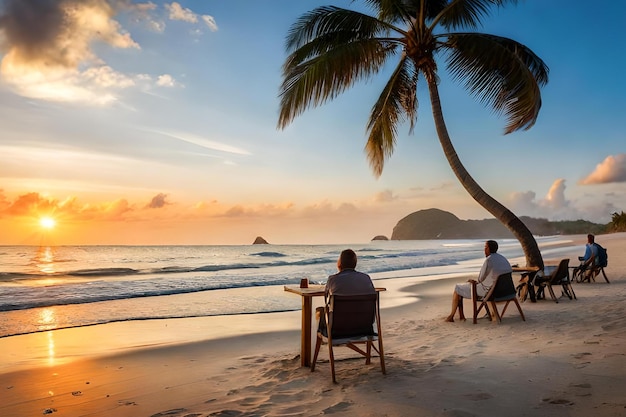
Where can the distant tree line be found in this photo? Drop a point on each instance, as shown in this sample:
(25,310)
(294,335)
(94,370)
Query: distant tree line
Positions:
(575,227)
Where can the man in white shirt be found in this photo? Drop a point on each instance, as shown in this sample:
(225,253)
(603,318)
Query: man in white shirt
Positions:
(494,266)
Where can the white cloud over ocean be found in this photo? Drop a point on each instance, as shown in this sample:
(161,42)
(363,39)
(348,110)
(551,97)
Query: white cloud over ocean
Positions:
(556,206)
(612,169)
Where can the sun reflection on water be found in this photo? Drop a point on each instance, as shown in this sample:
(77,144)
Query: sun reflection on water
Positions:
(45,260)
(47,319)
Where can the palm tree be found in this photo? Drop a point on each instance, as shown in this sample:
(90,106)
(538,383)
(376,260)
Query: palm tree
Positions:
(618,222)
(331,48)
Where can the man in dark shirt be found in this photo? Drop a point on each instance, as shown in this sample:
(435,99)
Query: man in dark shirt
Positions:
(348,281)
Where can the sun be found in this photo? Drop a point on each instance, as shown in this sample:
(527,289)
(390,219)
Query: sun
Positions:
(47,223)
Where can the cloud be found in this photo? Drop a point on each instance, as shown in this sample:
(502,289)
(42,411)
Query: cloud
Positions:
(612,169)
(158,201)
(555,199)
(205,143)
(177,12)
(384,196)
(34,205)
(553,206)
(48,49)
(522,202)
(166,80)
(210,22)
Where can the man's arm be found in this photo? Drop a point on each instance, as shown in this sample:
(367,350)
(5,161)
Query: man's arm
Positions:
(483,271)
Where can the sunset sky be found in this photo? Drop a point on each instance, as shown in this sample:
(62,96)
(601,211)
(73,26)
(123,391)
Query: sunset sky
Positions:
(132,122)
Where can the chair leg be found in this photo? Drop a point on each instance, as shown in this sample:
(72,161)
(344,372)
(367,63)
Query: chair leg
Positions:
(368,350)
(571,288)
(604,275)
(381,353)
(519,308)
(489,312)
(506,305)
(474,301)
(495,311)
(556,300)
(318,344)
(332,361)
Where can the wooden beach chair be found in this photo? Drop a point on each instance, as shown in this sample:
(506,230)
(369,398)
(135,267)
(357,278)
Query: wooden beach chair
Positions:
(560,276)
(349,321)
(590,269)
(502,291)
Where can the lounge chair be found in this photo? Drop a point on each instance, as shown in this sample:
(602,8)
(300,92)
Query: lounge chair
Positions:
(349,321)
(502,291)
(560,276)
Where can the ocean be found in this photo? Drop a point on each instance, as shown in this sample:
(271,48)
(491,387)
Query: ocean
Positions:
(44,288)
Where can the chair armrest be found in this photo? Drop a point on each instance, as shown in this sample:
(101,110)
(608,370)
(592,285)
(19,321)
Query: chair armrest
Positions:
(473,283)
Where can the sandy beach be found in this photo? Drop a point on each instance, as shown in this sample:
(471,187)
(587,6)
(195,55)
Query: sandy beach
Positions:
(566,359)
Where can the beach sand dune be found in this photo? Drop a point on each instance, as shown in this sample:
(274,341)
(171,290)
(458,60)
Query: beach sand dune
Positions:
(567,359)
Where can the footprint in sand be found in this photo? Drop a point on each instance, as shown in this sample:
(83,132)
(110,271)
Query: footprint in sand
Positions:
(580,385)
(337,408)
(481,396)
(583,390)
(226,413)
(174,412)
(558,401)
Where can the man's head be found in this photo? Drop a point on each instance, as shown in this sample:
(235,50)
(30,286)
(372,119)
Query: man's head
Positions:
(590,238)
(347,260)
(491,246)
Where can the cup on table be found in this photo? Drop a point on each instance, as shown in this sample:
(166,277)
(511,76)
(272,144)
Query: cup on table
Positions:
(304,283)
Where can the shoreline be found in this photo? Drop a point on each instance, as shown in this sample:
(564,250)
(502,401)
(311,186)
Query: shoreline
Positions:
(565,360)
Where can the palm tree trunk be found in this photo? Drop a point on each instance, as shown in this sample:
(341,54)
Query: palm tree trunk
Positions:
(504,215)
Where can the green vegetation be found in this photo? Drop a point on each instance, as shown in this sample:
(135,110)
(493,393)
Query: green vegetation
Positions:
(618,222)
(578,227)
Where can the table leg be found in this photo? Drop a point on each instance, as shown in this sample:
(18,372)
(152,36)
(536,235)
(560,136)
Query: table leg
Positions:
(305,342)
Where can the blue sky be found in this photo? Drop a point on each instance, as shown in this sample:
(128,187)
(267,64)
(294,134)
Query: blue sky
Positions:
(155,122)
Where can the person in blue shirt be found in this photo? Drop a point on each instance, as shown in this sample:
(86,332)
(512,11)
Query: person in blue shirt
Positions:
(591,252)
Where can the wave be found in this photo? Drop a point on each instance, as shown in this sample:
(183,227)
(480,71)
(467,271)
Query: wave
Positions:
(7,300)
(385,262)
(103,272)
(269,254)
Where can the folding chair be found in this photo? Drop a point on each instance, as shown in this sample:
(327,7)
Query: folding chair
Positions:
(502,291)
(560,276)
(348,320)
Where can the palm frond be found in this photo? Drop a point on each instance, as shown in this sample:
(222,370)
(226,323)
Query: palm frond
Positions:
(311,82)
(406,10)
(332,49)
(467,13)
(501,73)
(396,103)
(327,20)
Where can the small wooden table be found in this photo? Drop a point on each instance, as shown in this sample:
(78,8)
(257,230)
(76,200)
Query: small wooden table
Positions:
(525,269)
(307,295)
